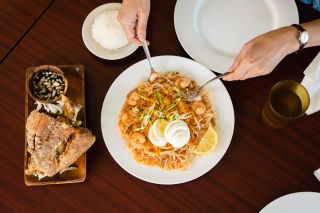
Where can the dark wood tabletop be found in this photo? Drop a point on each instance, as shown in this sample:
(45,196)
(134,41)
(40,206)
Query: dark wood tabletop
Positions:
(16,19)
(260,165)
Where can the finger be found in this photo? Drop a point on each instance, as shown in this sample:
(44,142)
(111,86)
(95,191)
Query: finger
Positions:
(131,35)
(257,71)
(250,74)
(142,26)
(239,72)
(239,57)
(232,69)
(235,64)
(229,77)
(136,42)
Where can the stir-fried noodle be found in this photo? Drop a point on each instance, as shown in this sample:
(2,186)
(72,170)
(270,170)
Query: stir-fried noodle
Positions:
(161,99)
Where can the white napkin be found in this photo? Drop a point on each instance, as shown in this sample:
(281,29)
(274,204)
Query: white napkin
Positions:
(311,82)
(317,174)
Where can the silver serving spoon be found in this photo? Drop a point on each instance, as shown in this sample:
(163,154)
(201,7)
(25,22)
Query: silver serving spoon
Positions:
(196,93)
(146,51)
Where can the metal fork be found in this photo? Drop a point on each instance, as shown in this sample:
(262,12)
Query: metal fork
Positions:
(146,51)
(196,93)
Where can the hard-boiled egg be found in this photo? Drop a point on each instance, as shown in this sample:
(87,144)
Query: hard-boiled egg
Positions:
(156,132)
(177,133)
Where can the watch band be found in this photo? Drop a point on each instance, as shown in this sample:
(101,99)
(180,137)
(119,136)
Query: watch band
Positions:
(301,30)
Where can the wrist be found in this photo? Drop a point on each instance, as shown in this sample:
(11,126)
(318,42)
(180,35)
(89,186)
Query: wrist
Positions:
(291,36)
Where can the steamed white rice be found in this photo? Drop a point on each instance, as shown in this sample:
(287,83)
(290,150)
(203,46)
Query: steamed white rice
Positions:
(107,31)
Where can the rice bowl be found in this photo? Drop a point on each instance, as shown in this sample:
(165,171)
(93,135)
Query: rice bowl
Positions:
(97,49)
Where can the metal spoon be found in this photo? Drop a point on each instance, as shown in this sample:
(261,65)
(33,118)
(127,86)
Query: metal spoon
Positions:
(196,93)
(146,51)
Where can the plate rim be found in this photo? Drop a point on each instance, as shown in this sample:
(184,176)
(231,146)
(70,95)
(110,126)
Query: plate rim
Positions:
(120,53)
(142,177)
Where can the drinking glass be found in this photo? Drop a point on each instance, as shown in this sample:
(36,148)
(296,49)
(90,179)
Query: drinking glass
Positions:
(287,100)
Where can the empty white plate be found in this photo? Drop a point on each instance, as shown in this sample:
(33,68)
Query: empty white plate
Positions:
(300,202)
(213,31)
(93,46)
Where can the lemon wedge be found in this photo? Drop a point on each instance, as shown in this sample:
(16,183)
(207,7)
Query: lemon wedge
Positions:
(208,142)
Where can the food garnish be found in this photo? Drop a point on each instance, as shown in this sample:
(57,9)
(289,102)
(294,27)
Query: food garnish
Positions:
(208,142)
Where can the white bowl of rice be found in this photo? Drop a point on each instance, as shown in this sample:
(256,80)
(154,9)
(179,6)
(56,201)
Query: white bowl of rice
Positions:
(103,35)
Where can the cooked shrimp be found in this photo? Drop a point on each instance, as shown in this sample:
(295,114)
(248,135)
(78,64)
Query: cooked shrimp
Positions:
(148,90)
(182,82)
(138,138)
(154,76)
(124,118)
(133,98)
(198,107)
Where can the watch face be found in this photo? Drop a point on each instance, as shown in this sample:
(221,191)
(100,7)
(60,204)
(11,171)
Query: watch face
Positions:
(304,37)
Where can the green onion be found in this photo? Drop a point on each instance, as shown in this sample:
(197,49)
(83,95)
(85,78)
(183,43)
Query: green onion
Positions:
(173,116)
(144,98)
(159,98)
(176,116)
(159,114)
(184,116)
(77,123)
(145,117)
(171,106)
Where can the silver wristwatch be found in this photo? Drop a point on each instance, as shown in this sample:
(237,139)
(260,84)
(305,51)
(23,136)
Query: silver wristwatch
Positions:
(303,36)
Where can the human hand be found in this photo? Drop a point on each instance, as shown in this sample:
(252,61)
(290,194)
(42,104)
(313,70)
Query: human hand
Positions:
(263,53)
(133,16)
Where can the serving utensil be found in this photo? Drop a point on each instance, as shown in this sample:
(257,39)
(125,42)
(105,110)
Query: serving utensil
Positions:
(193,96)
(146,51)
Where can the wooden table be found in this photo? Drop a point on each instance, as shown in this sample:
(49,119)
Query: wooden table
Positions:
(259,166)
(16,21)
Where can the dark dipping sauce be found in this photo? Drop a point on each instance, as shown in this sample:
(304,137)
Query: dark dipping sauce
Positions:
(47,85)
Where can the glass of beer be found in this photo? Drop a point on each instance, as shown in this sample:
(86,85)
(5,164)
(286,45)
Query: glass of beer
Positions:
(287,101)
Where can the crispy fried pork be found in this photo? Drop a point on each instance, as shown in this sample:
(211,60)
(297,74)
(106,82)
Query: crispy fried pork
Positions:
(54,144)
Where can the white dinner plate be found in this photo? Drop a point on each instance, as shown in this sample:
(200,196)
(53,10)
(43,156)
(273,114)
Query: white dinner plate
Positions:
(127,81)
(93,46)
(300,202)
(213,31)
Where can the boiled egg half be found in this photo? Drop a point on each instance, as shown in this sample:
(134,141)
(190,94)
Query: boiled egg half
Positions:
(156,132)
(176,133)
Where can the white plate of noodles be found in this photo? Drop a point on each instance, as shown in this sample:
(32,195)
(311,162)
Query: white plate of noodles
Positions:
(162,170)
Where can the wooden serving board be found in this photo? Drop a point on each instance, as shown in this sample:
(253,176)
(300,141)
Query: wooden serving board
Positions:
(76,91)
